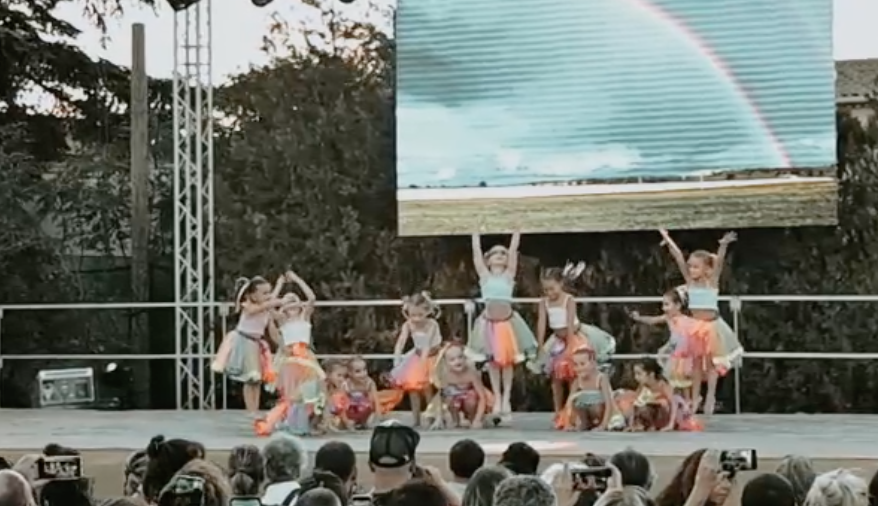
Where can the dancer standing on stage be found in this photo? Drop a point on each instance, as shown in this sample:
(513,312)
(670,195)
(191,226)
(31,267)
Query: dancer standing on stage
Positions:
(244,355)
(557,311)
(413,371)
(500,338)
(702,272)
(682,349)
(461,392)
(299,375)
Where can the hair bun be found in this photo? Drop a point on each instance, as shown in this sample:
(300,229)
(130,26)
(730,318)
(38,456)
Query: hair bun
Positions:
(152,450)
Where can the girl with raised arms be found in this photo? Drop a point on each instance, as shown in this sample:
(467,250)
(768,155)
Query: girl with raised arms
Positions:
(500,337)
(722,350)
(244,355)
(557,311)
(299,376)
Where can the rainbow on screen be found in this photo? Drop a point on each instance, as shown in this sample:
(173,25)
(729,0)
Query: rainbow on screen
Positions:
(496,93)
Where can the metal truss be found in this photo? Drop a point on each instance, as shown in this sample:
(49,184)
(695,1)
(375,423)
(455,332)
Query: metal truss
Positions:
(193,206)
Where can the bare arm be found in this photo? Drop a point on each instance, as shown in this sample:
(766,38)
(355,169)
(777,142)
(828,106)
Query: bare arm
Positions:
(608,401)
(512,266)
(273,332)
(542,318)
(403,338)
(571,316)
(720,260)
(668,393)
(479,256)
(676,254)
(373,396)
(310,296)
(483,398)
(272,303)
(278,287)
(648,320)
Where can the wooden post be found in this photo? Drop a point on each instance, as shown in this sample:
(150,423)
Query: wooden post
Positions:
(140,216)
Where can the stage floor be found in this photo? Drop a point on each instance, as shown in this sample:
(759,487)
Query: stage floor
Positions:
(818,436)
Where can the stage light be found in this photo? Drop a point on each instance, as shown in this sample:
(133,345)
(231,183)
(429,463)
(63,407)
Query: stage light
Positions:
(182,5)
(261,3)
(115,388)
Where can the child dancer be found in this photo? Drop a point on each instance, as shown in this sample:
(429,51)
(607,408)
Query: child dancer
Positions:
(300,378)
(680,348)
(702,272)
(363,405)
(461,392)
(414,370)
(500,336)
(244,355)
(655,406)
(338,400)
(558,310)
(590,405)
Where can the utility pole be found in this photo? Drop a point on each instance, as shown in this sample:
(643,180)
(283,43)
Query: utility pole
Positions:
(140,216)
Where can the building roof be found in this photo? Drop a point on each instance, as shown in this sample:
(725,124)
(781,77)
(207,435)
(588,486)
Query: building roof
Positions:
(856,80)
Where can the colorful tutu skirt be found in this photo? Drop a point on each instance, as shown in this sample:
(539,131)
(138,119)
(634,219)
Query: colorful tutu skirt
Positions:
(656,410)
(414,372)
(719,342)
(359,407)
(556,358)
(465,399)
(501,342)
(244,358)
(299,375)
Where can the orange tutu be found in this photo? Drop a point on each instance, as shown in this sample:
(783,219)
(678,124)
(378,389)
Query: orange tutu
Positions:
(413,374)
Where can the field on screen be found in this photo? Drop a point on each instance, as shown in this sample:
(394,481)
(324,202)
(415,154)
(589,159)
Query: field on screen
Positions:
(564,115)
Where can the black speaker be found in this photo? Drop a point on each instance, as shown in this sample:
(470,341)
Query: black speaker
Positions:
(182,5)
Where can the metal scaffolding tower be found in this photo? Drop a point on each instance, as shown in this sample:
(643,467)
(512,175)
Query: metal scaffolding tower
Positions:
(193,206)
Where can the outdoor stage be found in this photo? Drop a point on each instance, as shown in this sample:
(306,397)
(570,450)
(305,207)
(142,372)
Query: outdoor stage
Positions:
(833,437)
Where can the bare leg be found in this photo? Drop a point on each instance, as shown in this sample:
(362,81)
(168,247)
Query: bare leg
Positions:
(507,375)
(494,378)
(710,399)
(557,395)
(251,397)
(697,380)
(415,400)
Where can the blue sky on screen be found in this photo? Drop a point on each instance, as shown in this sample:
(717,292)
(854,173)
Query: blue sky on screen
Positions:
(239,29)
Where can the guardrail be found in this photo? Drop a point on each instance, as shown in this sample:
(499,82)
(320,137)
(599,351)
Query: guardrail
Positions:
(735,304)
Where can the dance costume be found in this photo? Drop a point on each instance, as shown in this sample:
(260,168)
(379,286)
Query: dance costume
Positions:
(715,336)
(557,353)
(503,342)
(359,407)
(244,356)
(299,382)
(415,370)
(583,401)
(659,409)
(682,351)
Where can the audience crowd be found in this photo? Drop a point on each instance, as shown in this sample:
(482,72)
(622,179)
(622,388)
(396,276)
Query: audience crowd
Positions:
(175,472)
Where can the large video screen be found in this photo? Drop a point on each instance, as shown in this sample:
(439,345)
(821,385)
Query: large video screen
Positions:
(598,115)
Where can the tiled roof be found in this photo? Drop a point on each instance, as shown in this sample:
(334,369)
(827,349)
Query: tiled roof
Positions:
(856,79)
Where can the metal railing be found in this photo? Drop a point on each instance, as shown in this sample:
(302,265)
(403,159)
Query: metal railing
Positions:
(735,304)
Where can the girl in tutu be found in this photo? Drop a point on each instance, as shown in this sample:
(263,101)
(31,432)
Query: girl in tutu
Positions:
(338,400)
(461,392)
(244,355)
(654,406)
(500,337)
(723,351)
(590,405)
(299,382)
(414,370)
(363,405)
(557,311)
(681,349)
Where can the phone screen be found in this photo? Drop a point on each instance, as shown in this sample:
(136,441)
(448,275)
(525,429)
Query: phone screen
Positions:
(594,478)
(245,501)
(64,467)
